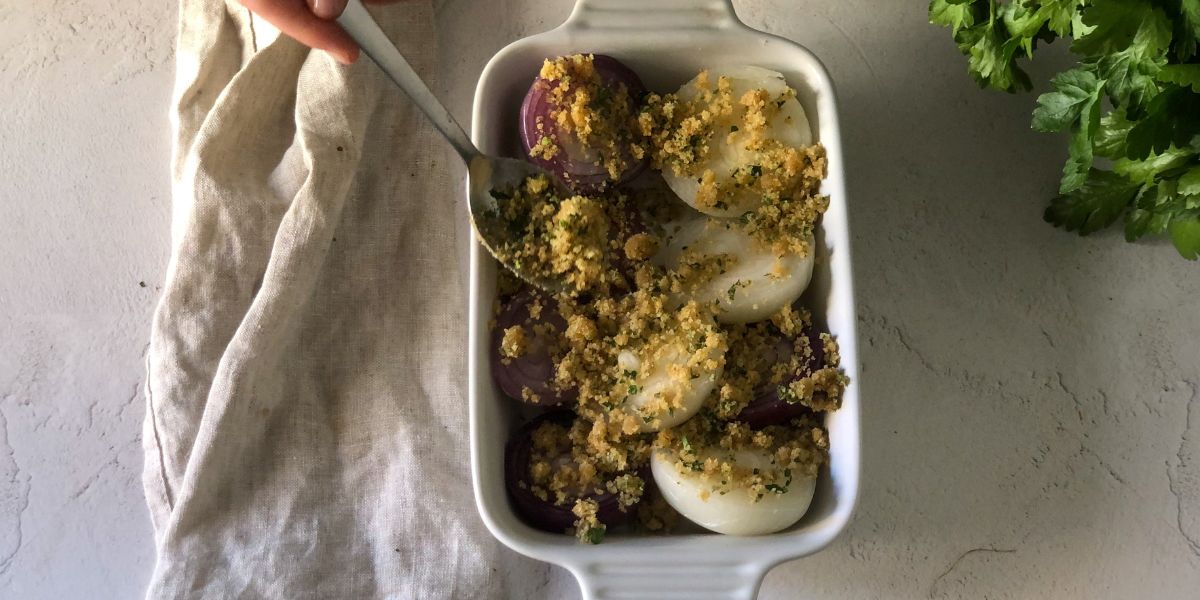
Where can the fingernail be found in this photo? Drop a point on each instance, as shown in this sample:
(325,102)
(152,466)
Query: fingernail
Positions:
(324,9)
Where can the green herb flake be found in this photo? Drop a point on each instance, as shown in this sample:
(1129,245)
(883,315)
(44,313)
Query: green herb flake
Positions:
(595,535)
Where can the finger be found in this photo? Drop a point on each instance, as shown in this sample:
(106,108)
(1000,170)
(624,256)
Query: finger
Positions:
(294,18)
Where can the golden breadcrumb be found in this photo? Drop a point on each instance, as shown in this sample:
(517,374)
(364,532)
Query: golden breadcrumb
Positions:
(626,318)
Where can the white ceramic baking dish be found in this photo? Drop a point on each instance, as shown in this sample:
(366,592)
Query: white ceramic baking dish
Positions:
(666,42)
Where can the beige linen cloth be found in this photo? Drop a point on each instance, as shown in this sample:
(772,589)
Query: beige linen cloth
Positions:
(306,426)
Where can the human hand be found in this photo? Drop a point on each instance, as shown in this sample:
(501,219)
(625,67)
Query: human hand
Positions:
(310,22)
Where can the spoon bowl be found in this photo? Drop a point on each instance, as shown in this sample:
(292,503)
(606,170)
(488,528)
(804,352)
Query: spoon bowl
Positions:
(485,174)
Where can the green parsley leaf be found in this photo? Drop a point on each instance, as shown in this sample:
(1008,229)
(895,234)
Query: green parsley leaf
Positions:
(1133,99)
(1129,77)
(1022,22)
(1110,137)
(1159,206)
(1189,182)
(1185,234)
(1187,29)
(1173,117)
(1059,14)
(1073,91)
(1182,75)
(1079,149)
(1075,103)
(955,15)
(1097,204)
(1119,23)
(1080,29)
(1149,217)
(991,63)
(1130,70)
(1079,152)
(991,55)
(1148,169)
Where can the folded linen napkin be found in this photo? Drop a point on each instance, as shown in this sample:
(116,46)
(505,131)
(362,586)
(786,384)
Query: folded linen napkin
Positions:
(306,427)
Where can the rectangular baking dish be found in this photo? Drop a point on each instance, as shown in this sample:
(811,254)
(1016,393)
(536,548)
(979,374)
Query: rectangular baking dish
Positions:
(666,42)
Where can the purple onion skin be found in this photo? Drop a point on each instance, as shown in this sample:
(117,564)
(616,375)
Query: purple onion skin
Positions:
(535,368)
(768,408)
(544,514)
(631,225)
(581,176)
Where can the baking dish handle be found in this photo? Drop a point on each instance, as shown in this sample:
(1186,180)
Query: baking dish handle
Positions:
(655,15)
(682,579)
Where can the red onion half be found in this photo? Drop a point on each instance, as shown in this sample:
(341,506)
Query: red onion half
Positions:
(626,224)
(535,368)
(544,514)
(768,408)
(575,165)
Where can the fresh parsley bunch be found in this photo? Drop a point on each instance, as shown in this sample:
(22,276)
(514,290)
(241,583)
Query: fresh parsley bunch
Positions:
(1131,104)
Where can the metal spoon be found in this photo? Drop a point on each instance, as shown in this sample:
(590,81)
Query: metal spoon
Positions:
(484,173)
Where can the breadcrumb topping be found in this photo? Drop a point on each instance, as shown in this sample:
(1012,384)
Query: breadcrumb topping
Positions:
(588,528)
(641,246)
(785,180)
(622,323)
(514,344)
(599,115)
(551,237)
(729,457)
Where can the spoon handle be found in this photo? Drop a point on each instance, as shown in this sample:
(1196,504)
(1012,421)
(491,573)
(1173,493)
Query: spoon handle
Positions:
(363,29)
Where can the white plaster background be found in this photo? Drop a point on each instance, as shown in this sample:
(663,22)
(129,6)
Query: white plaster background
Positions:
(1032,421)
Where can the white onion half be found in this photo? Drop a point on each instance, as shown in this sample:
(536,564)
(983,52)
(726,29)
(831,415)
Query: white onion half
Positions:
(736,512)
(655,377)
(757,285)
(727,152)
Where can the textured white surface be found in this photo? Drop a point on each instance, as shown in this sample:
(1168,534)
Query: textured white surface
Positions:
(84,211)
(1031,409)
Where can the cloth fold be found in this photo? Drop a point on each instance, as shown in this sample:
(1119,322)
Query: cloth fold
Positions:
(305,434)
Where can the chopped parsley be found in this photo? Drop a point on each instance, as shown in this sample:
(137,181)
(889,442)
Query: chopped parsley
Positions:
(595,535)
(731,293)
